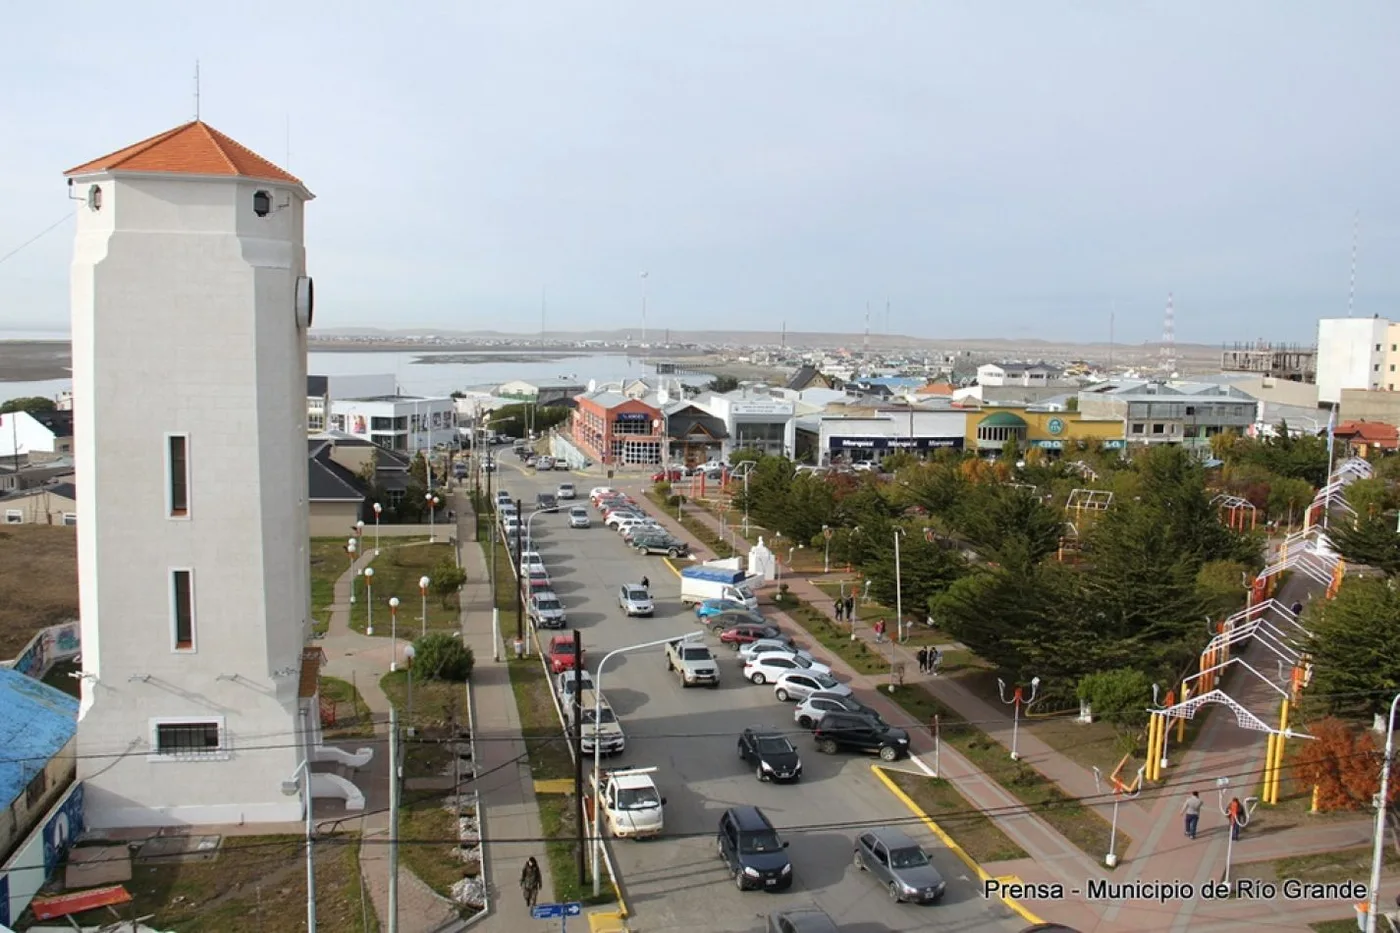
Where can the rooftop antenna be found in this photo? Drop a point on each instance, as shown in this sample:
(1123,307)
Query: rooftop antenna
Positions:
(1168,351)
(1355,238)
(196,90)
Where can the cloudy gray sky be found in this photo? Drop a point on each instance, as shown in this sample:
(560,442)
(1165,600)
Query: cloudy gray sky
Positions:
(1017,169)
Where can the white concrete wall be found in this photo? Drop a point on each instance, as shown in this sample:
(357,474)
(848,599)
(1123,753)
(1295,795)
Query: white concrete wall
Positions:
(183,322)
(1347,356)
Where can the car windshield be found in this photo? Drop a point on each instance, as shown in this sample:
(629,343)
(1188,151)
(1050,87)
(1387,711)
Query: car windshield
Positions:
(912,857)
(562,647)
(638,798)
(607,715)
(637,593)
(578,512)
(548,605)
(773,745)
(824,682)
(765,841)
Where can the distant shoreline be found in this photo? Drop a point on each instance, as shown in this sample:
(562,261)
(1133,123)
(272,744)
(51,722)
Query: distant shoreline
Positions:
(35,360)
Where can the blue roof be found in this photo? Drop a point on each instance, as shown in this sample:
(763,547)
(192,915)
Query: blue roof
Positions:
(36,721)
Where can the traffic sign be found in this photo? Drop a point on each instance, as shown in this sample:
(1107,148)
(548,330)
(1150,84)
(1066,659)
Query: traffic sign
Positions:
(551,911)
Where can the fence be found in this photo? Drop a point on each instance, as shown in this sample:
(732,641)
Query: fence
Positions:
(53,645)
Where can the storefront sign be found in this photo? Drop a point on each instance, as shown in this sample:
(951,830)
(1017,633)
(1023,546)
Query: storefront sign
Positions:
(1055,426)
(1115,445)
(760,408)
(848,442)
(631,416)
(1048,445)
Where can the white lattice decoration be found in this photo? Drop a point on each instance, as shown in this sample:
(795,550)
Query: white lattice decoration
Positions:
(1227,501)
(1089,500)
(1243,717)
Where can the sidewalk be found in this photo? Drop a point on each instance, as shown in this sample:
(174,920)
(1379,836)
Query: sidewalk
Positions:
(504,779)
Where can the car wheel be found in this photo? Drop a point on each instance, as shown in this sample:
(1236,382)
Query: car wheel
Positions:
(858,861)
(781,694)
(673,553)
(889,753)
(806,722)
(826,747)
(734,646)
(894,893)
(669,665)
(717,630)
(758,773)
(758,678)
(739,880)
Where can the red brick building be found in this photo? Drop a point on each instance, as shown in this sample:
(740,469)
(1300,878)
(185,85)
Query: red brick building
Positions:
(617,430)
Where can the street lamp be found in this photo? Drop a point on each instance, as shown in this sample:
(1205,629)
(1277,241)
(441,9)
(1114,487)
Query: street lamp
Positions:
(1120,793)
(1373,901)
(351,547)
(826,558)
(523,580)
(300,785)
(423,591)
(377,509)
(597,844)
(899,594)
(1018,699)
(394,630)
(432,501)
(369,600)
(360,529)
(409,653)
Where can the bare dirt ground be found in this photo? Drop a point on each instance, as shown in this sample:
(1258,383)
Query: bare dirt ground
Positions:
(39,580)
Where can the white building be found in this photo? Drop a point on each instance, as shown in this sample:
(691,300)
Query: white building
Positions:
(322,390)
(879,433)
(1029,375)
(754,420)
(198,701)
(398,422)
(1351,353)
(41,436)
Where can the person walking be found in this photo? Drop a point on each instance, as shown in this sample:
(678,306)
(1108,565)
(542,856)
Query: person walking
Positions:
(851,608)
(1297,608)
(1236,814)
(530,881)
(1192,810)
(840,607)
(646,583)
(923,660)
(879,631)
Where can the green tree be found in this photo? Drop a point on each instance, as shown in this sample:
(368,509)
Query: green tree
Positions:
(1002,520)
(743,454)
(1223,586)
(516,420)
(1370,540)
(1120,696)
(925,569)
(1370,496)
(28,403)
(1355,648)
(442,656)
(1288,498)
(723,384)
(447,580)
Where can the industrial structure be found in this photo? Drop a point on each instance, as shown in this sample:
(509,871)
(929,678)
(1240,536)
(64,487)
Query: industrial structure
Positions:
(1290,361)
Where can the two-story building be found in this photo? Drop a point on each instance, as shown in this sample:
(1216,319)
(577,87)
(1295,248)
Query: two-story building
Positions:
(854,434)
(398,422)
(1029,375)
(322,390)
(753,419)
(1183,413)
(37,436)
(1051,429)
(617,430)
(541,391)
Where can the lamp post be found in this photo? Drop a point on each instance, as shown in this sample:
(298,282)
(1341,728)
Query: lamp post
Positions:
(432,501)
(899,594)
(408,654)
(301,785)
(394,630)
(369,600)
(1120,793)
(351,547)
(523,579)
(377,509)
(423,591)
(1373,899)
(1222,785)
(826,557)
(597,844)
(360,528)
(1018,699)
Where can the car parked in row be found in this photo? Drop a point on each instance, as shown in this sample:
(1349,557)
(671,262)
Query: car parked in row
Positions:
(854,732)
(713,607)
(565,683)
(659,543)
(561,654)
(767,668)
(546,611)
(798,685)
(770,753)
(783,644)
(810,711)
(900,864)
(736,636)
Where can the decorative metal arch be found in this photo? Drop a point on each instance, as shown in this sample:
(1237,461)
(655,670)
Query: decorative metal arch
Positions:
(1243,717)
(1227,501)
(1089,500)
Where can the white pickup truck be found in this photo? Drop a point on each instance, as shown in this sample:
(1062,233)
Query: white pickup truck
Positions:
(631,804)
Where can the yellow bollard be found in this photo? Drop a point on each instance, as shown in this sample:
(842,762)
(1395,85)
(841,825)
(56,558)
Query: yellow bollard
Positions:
(1160,733)
(1316,791)
(1181,723)
(1150,774)
(1279,748)
(1268,768)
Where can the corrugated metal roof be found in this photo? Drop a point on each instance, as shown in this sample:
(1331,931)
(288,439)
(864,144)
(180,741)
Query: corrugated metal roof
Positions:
(36,721)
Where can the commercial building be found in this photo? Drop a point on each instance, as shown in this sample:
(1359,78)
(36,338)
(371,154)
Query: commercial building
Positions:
(322,390)
(695,435)
(1025,375)
(1355,353)
(1183,413)
(193,573)
(541,391)
(617,430)
(398,422)
(875,434)
(1052,430)
(753,420)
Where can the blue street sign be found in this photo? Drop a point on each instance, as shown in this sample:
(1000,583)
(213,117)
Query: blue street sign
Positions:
(550,911)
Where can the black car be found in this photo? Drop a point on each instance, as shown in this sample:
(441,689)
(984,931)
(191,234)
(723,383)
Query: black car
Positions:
(660,544)
(547,501)
(802,920)
(771,754)
(854,732)
(751,849)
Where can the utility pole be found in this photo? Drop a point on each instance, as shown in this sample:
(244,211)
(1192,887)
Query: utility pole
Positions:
(393,819)
(519,580)
(578,755)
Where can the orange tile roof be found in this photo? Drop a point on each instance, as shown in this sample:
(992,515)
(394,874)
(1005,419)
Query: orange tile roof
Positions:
(195,148)
(1369,432)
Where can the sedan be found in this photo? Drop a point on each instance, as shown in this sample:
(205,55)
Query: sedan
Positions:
(565,685)
(799,685)
(635,600)
(810,711)
(783,643)
(739,635)
(713,607)
(897,862)
(773,757)
(770,667)
(803,658)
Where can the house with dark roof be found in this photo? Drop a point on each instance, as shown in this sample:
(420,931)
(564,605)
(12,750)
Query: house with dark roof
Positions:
(694,435)
(38,724)
(810,377)
(37,436)
(335,495)
(54,504)
(26,475)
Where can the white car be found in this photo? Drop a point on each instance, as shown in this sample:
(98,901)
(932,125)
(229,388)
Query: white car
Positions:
(565,491)
(564,683)
(529,560)
(598,492)
(635,600)
(810,711)
(616,517)
(544,463)
(578,517)
(627,524)
(765,645)
(799,685)
(767,668)
(803,658)
(510,526)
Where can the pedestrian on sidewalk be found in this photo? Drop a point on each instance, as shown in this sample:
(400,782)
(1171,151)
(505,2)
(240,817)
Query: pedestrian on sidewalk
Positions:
(530,881)
(1192,809)
(646,583)
(935,657)
(879,631)
(1297,607)
(923,660)
(840,606)
(851,608)
(1236,814)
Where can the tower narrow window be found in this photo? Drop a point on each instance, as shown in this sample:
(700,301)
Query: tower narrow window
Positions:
(178,468)
(182,608)
(262,203)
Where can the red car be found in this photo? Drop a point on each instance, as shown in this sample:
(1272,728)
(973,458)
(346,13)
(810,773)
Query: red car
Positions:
(743,634)
(561,654)
(667,476)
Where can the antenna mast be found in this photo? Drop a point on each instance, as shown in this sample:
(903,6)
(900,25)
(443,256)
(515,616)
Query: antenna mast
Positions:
(783,343)
(1169,338)
(1355,238)
(196,90)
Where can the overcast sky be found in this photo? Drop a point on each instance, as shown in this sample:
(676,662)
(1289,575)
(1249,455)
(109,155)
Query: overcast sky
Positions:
(991,169)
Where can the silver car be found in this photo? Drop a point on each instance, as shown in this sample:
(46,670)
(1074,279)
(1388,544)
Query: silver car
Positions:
(578,517)
(801,920)
(635,599)
(900,865)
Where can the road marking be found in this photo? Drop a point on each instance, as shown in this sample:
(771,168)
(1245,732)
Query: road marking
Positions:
(948,841)
(555,786)
(667,562)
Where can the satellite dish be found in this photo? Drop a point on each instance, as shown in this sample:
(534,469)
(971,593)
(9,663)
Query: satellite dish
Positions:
(663,397)
(593,385)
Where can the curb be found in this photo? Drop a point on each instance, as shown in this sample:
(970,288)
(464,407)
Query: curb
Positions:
(951,844)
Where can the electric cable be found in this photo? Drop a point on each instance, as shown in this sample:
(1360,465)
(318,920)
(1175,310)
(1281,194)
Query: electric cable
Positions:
(37,237)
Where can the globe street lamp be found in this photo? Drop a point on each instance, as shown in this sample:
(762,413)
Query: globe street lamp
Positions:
(351,547)
(394,630)
(377,509)
(432,501)
(369,600)
(360,529)
(1018,699)
(423,591)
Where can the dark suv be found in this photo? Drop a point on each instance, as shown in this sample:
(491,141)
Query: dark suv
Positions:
(855,732)
(750,846)
(660,544)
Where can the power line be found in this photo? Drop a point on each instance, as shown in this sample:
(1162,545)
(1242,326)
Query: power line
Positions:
(38,236)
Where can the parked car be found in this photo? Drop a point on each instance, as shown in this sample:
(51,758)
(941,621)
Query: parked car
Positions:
(599,492)
(738,635)
(667,476)
(752,850)
(659,544)
(642,526)
(502,498)
(564,683)
(561,654)
(801,920)
(783,644)
(769,667)
(539,579)
(799,685)
(713,607)
(773,757)
(546,611)
(811,710)
(854,732)
(565,491)
(530,559)
(544,463)
(898,862)
(635,600)
(578,517)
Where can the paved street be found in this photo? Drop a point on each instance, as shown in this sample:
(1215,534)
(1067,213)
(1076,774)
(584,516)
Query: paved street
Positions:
(690,736)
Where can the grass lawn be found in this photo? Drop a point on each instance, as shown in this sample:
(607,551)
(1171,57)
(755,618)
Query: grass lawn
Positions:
(329,560)
(539,723)
(423,817)
(1341,865)
(707,538)
(397,571)
(352,715)
(1336,926)
(557,819)
(975,832)
(39,577)
(255,883)
(868,612)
